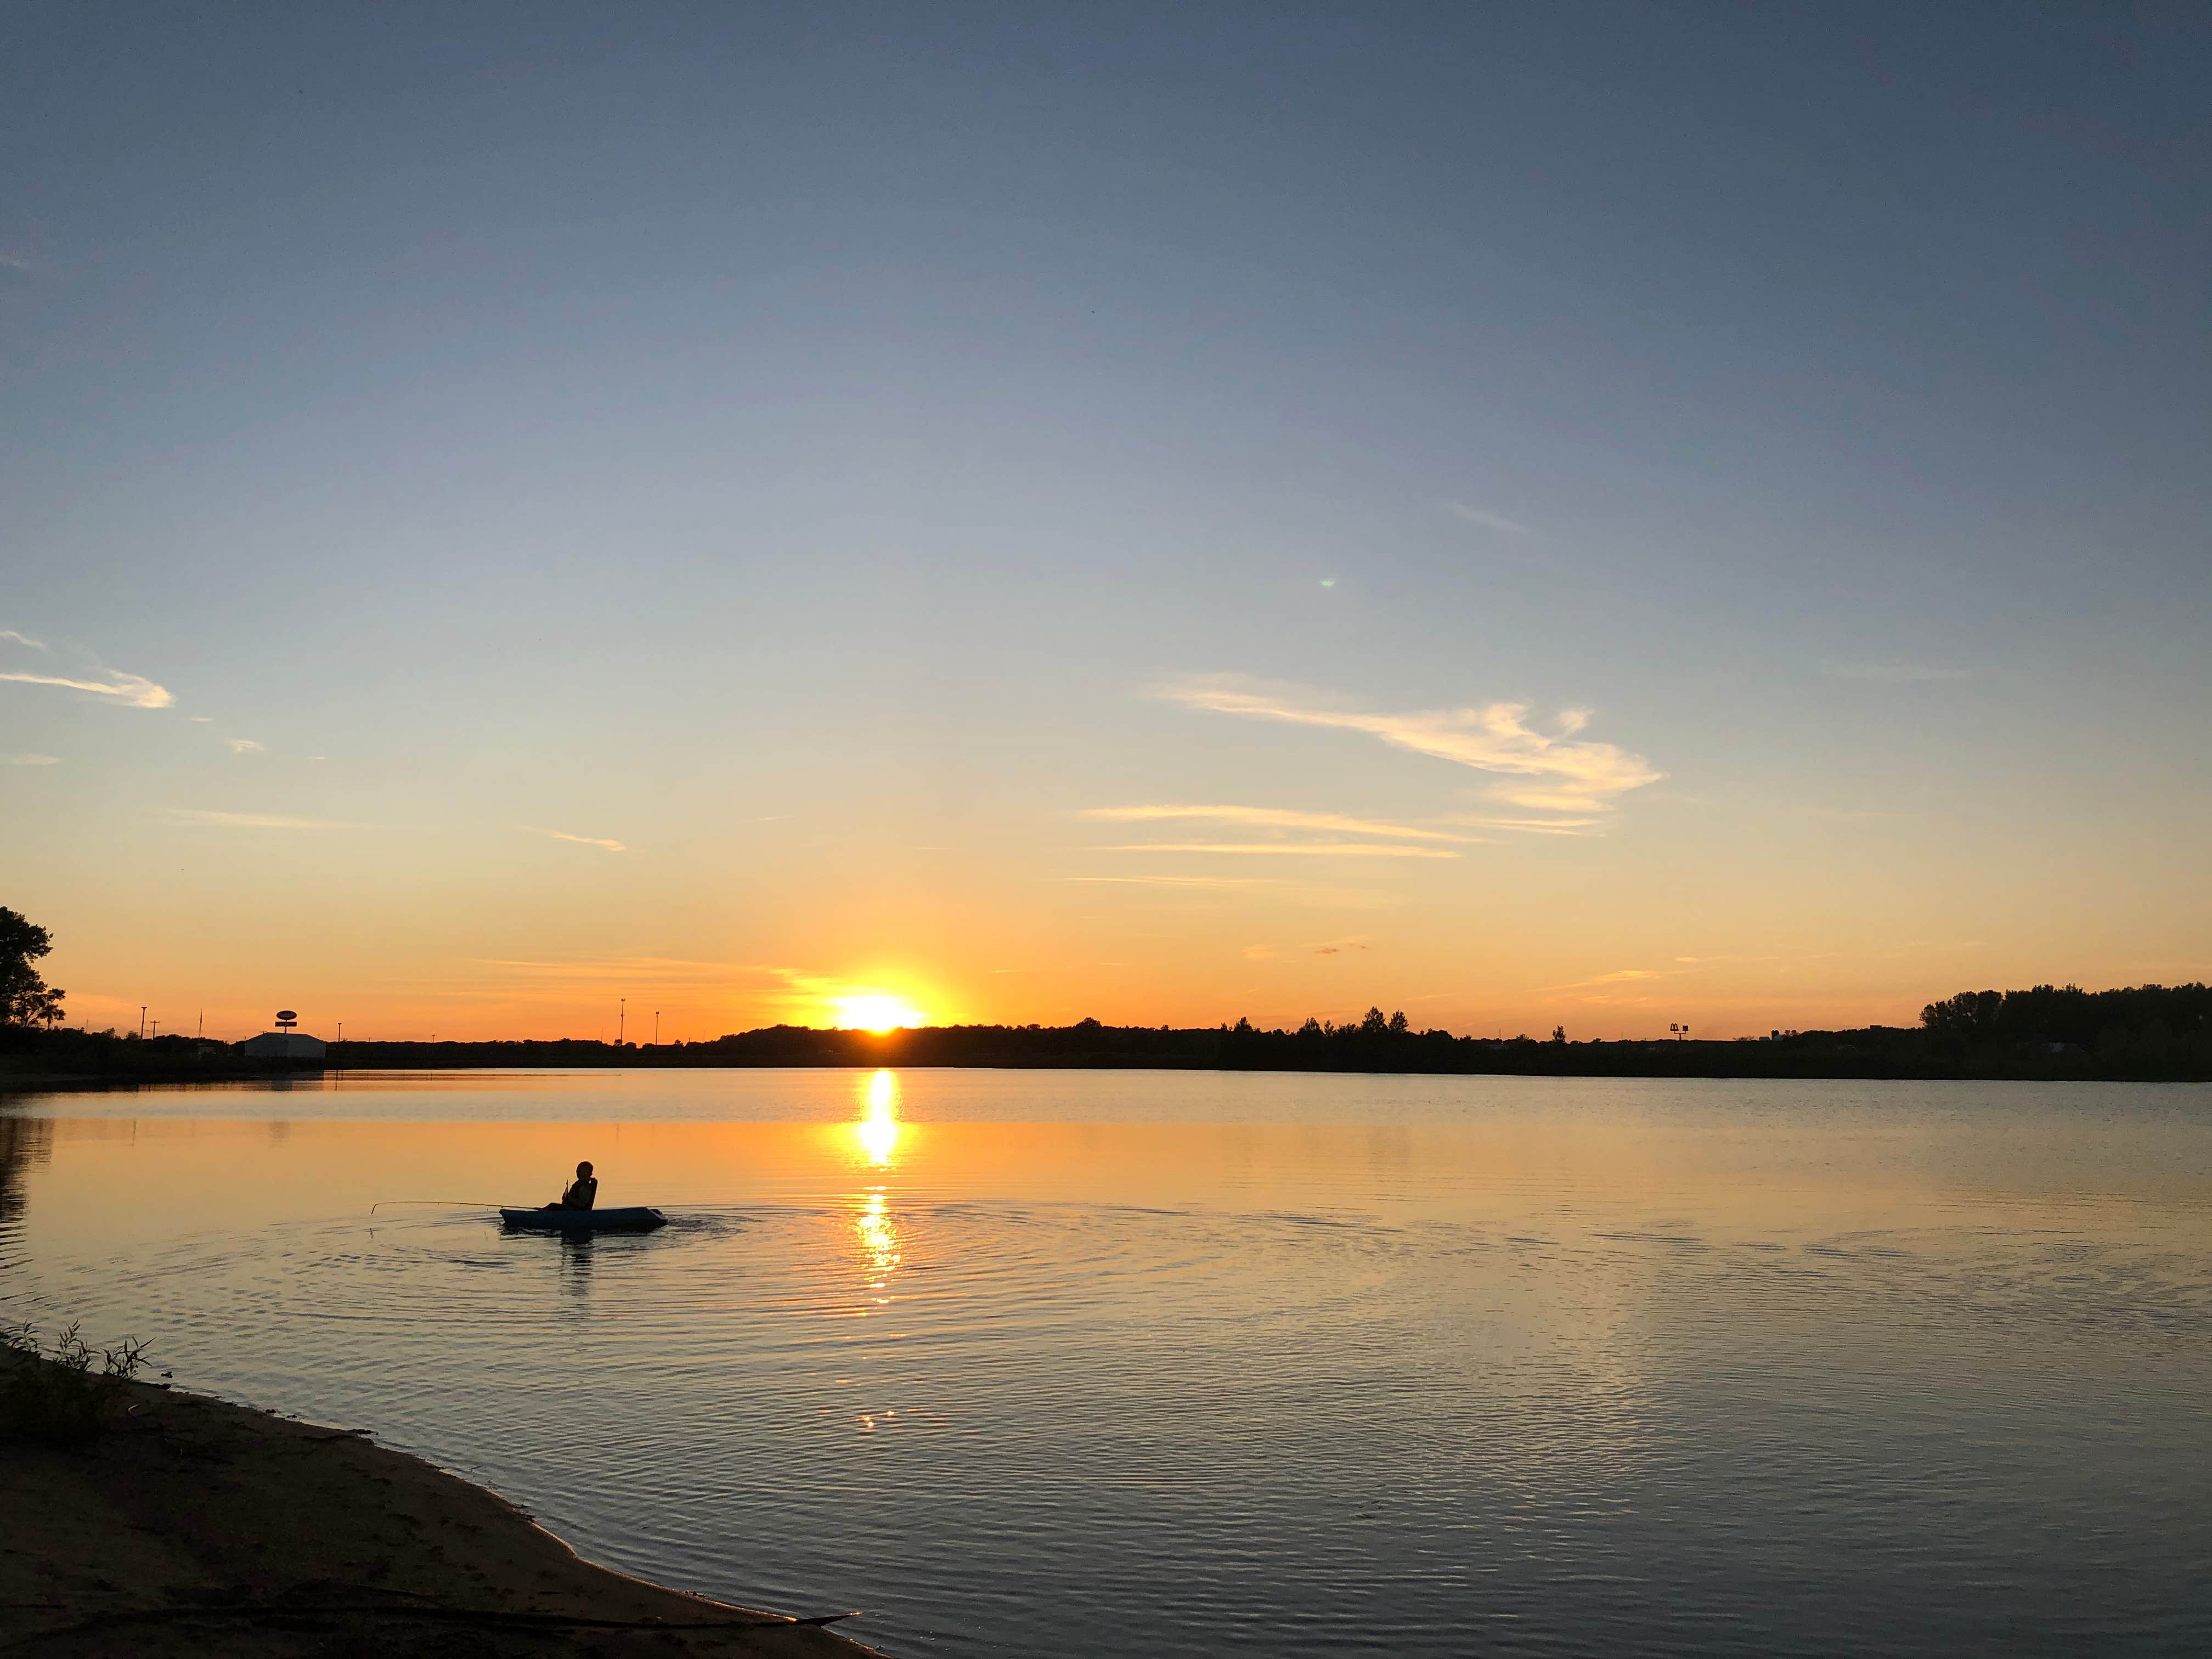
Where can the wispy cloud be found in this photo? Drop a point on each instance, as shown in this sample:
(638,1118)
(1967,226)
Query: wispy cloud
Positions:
(1692,965)
(1173,881)
(34,760)
(1567,772)
(1333,849)
(1896,673)
(1623,976)
(1274,818)
(1536,826)
(22,638)
(599,841)
(244,820)
(134,689)
(246,747)
(655,971)
(1276,889)
(1487,519)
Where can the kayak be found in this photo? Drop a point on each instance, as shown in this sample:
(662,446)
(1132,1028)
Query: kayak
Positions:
(637,1220)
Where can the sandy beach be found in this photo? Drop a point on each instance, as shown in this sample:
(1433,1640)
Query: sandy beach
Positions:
(195,1528)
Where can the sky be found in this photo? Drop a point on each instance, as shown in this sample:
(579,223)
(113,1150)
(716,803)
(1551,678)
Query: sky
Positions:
(1607,516)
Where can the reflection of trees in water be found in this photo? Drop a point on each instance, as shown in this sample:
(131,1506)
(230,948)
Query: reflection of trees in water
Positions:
(23,1141)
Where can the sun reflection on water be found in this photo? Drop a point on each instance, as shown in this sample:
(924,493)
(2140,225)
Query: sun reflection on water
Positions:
(877,1131)
(878,1235)
(877,1135)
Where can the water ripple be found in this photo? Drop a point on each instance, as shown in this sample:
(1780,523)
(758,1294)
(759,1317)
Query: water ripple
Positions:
(1483,1386)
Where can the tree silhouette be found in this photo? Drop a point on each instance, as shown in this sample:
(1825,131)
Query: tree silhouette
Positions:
(2068,1014)
(25,999)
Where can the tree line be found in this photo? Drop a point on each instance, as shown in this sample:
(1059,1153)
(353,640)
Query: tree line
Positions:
(2136,1030)
(2053,1013)
(2143,1031)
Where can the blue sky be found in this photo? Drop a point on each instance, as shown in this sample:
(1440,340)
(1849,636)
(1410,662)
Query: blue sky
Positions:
(821,450)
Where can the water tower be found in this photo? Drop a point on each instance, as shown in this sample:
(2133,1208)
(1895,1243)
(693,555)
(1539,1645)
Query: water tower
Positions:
(286,1042)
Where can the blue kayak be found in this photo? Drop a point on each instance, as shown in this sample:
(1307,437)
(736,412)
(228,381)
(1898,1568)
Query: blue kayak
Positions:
(638,1220)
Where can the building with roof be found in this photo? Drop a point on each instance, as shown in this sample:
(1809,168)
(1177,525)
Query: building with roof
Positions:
(285,1043)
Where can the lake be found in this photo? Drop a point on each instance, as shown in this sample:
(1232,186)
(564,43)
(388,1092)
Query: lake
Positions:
(1174,1364)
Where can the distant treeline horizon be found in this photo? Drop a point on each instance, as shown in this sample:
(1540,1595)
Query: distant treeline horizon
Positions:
(2149,1032)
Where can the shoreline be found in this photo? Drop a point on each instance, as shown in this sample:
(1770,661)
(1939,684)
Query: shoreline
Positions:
(192,1528)
(2145,1034)
(18,1085)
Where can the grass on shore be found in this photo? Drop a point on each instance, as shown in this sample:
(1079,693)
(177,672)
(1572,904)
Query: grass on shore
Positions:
(67,1392)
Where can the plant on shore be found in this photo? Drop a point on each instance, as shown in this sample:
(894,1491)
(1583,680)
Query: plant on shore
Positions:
(55,1393)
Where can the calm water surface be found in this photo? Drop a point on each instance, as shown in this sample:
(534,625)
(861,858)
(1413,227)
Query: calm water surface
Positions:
(1159,1364)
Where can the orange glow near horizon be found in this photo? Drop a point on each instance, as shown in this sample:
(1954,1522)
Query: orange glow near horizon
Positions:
(873,1011)
(1138,956)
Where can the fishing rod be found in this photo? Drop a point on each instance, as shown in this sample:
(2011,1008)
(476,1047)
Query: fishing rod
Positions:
(461,1203)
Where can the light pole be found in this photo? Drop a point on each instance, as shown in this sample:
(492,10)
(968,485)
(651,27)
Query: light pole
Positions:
(622,1016)
(656,1028)
(141,1022)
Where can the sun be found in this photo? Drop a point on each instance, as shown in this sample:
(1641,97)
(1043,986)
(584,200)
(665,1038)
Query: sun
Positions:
(871,1011)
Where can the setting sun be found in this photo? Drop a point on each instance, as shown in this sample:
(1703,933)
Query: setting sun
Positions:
(871,1011)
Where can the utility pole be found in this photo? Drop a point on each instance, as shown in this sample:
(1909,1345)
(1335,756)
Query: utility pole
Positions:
(621,1018)
(201,1036)
(656,1028)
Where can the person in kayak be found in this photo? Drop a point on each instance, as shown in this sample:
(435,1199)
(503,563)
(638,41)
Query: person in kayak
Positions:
(582,1193)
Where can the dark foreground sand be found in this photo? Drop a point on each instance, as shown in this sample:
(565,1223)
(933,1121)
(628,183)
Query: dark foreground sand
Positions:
(194,1529)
